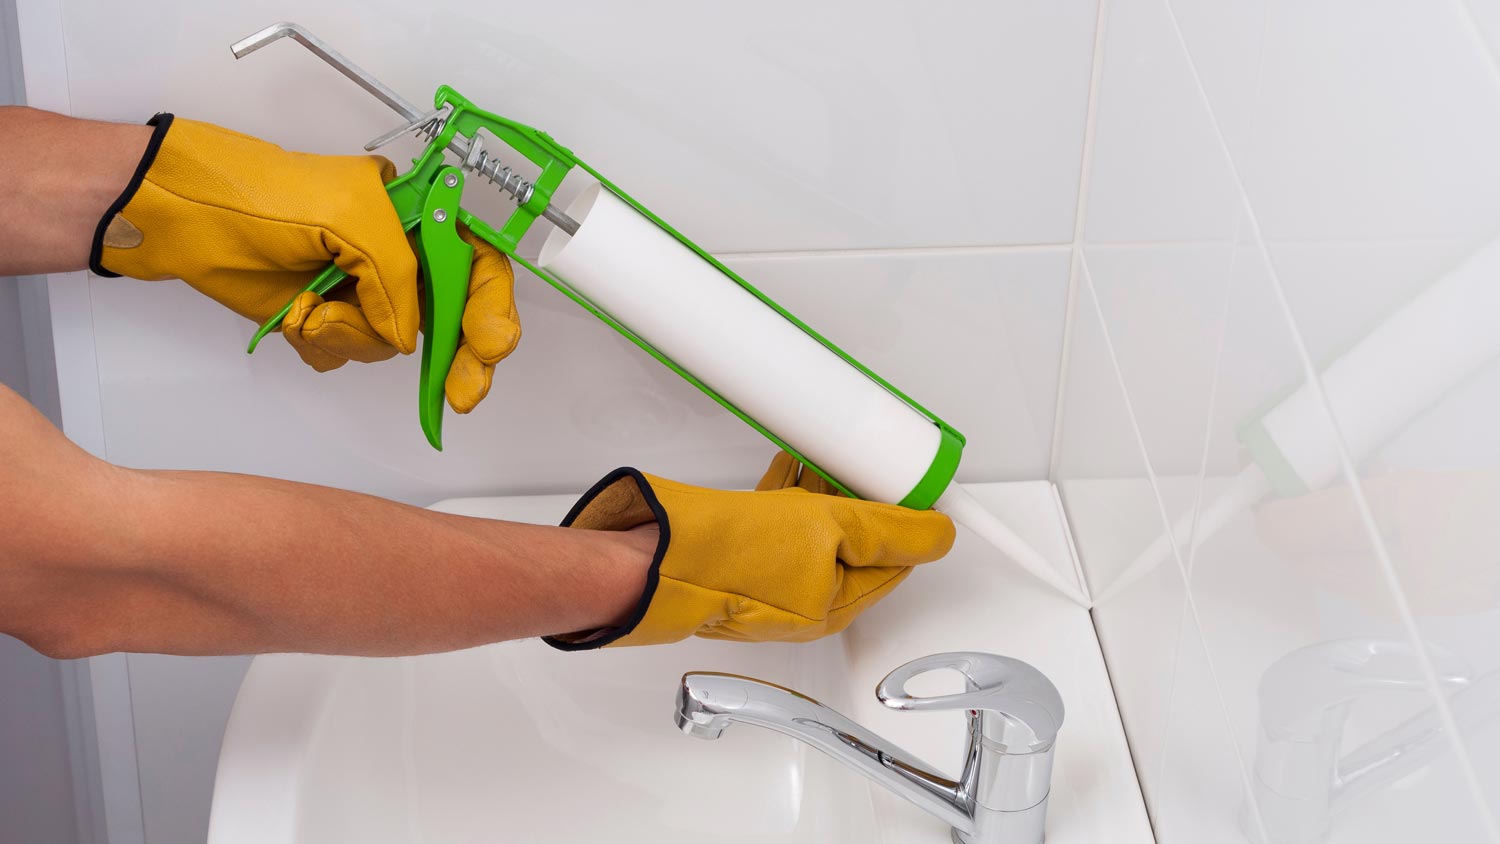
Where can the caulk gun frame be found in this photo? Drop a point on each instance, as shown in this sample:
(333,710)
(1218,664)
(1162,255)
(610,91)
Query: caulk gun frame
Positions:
(455,126)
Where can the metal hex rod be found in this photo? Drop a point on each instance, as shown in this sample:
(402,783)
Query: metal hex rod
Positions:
(313,43)
(378,89)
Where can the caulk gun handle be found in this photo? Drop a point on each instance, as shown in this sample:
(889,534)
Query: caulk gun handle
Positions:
(426,201)
(446,261)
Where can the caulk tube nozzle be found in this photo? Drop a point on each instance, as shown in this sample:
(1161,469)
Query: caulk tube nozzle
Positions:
(964,509)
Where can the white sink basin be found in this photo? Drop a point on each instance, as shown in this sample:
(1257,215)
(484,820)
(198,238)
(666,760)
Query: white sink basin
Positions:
(518,742)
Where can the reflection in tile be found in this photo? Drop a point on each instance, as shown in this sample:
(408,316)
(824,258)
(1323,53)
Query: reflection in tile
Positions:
(1284,576)
(1364,139)
(1429,458)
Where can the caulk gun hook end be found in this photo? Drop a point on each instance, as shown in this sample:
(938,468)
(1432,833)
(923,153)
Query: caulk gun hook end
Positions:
(276,31)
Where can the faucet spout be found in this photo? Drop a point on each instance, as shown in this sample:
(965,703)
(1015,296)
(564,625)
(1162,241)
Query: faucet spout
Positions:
(1014,714)
(708,702)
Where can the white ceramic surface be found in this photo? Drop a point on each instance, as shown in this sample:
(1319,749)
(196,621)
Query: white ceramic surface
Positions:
(519,742)
(1156,173)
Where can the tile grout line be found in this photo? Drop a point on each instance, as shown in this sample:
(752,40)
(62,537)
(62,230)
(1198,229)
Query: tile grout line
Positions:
(1064,367)
(1050,246)
(1229,288)
(1382,555)
(1213,404)
(1075,248)
(1387,567)
(893,251)
(1164,748)
(1161,507)
(1476,32)
(1197,506)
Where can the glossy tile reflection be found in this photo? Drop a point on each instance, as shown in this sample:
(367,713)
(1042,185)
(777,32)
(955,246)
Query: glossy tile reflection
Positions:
(1337,627)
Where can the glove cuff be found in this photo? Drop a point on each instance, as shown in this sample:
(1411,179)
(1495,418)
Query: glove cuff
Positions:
(623,499)
(162,121)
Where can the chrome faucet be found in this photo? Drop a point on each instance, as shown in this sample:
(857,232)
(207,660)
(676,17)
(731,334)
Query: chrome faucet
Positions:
(1303,778)
(1014,714)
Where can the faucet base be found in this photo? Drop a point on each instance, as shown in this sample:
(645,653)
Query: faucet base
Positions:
(992,826)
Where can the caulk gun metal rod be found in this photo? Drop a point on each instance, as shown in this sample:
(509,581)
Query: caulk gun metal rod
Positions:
(315,45)
(375,87)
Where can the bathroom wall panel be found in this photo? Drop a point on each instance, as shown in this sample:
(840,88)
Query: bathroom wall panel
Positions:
(839,125)
(1363,139)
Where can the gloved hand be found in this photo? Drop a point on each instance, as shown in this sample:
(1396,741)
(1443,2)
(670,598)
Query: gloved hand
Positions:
(790,562)
(249,224)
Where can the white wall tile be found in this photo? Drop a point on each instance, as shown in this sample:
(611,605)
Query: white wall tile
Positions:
(1164,306)
(859,125)
(1094,438)
(1157,172)
(1365,120)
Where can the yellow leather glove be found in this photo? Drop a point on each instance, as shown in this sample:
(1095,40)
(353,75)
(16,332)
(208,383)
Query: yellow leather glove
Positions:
(249,224)
(790,562)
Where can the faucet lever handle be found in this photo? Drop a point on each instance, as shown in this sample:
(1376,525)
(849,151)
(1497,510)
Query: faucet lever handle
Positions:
(1000,684)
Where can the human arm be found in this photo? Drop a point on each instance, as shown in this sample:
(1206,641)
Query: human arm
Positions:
(99,558)
(57,177)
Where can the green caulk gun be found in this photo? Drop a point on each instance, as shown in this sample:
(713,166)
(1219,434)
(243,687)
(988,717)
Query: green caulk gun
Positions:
(669,297)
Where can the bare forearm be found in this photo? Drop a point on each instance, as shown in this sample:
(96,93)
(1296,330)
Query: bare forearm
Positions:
(97,558)
(240,564)
(58,176)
